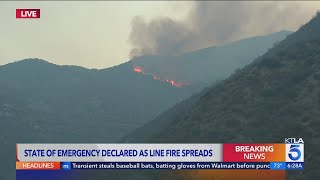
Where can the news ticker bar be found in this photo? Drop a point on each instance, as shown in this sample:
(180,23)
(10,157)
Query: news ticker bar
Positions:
(159,165)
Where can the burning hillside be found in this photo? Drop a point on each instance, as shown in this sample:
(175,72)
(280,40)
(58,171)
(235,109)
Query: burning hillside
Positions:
(173,82)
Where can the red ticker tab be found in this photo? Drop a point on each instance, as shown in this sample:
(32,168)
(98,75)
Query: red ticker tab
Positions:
(27,13)
(37,165)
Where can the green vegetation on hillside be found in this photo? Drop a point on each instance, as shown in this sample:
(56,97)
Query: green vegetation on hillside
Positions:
(275,97)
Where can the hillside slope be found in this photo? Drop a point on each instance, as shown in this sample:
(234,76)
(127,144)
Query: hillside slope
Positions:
(276,96)
(50,100)
(44,102)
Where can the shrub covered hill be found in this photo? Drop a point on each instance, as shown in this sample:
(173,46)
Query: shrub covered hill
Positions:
(276,96)
(41,102)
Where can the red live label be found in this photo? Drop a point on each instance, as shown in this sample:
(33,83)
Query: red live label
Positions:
(27,13)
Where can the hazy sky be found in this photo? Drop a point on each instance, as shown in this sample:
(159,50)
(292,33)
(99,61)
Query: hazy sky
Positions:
(103,33)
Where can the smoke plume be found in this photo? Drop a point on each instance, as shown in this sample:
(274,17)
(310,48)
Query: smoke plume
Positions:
(213,23)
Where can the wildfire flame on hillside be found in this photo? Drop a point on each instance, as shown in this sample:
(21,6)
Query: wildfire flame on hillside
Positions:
(138,69)
(175,83)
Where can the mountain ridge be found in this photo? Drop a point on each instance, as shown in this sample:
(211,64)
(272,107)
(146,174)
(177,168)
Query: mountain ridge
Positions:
(210,64)
(275,97)
(48,103)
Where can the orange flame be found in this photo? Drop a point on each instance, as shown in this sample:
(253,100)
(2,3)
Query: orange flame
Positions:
(138,69)
(175,83)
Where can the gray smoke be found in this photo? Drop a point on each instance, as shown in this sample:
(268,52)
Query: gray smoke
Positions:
(213,23)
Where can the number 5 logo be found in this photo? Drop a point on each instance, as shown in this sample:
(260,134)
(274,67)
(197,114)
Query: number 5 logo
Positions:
(294,152)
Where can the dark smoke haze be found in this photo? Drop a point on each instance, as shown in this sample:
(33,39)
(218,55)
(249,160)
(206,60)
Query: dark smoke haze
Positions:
(213,23)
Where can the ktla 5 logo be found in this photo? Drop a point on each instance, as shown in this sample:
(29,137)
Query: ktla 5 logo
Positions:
(294,152)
